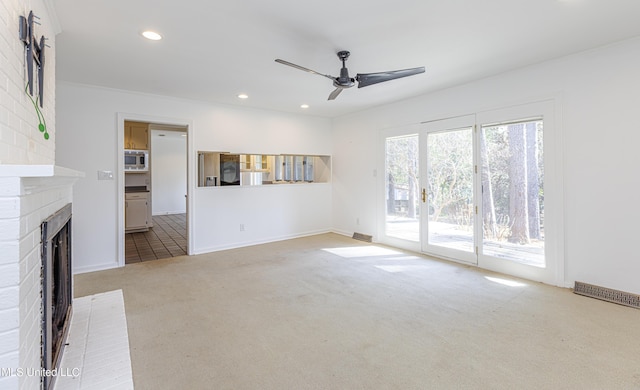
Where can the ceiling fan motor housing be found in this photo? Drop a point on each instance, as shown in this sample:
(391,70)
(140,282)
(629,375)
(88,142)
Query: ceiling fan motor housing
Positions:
(344,80)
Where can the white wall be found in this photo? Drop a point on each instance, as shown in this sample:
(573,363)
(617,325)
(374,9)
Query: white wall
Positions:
(87,140)
(597,95)
(168,172)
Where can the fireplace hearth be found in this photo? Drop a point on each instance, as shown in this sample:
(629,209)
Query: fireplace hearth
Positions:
(56,289)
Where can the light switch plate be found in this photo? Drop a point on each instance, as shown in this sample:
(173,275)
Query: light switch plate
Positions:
(105,175)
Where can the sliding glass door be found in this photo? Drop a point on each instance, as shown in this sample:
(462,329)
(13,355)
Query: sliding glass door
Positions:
(512,182)
(479,189)
(402,183)
(519,192)
(448,195)
(484,191)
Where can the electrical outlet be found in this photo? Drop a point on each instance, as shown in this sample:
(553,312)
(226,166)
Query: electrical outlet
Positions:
(358,221)
(242,227)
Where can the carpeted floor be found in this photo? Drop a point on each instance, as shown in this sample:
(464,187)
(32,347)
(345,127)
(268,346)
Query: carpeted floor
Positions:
(329,312)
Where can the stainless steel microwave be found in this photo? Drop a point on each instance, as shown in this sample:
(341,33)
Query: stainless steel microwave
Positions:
(136,160)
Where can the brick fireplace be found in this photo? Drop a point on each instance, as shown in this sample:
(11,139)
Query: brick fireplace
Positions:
(29,195)
(32,188)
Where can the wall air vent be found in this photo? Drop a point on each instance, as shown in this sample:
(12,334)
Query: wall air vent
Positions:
(362,237)
(607,294)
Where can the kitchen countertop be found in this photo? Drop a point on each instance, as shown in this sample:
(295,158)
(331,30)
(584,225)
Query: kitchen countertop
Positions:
(131,189)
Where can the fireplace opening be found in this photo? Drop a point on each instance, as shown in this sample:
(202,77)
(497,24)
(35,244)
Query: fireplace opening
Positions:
(56,289)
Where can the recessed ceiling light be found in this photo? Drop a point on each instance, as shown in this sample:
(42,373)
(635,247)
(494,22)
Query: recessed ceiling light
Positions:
(243,96)
(304,106)
(154,36)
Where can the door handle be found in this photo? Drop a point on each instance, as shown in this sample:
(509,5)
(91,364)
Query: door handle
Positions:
(424,195)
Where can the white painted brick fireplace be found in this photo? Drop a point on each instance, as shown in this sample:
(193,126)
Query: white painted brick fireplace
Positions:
(31,189)
(28,195)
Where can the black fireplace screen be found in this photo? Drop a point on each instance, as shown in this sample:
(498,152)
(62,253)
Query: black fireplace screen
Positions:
(56,288)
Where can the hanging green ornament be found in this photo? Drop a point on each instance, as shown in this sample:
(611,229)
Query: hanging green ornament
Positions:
(42,125)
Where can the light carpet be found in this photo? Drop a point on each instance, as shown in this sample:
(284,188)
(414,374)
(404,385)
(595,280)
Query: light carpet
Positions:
(330,312)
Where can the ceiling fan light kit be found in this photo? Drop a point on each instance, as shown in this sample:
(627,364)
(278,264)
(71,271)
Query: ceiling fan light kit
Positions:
(363,79)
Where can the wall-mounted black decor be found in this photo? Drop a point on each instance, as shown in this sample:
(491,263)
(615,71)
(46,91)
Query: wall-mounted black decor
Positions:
(34,53)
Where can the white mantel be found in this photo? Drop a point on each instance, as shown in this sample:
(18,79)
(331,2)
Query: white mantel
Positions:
(10,170)
(28,195)
(18,180)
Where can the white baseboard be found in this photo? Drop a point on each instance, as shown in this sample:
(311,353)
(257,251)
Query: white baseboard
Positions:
(217,248)
(93,268)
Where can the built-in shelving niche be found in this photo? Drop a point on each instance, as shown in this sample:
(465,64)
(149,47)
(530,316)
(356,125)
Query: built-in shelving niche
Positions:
(222,169)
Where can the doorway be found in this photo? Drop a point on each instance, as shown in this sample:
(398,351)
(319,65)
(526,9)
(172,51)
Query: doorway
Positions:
(167,232)
(448,198)
(166,188)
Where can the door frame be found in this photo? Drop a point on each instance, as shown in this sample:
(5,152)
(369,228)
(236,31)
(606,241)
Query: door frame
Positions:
(437,126)
(120,118)
(554,271)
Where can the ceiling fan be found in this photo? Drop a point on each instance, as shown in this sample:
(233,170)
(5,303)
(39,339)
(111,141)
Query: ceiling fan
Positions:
(364,79)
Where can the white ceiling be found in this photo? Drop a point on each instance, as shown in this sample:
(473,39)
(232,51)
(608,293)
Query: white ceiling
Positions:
(214,50)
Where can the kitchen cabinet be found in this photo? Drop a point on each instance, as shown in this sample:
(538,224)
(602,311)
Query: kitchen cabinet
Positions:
(136,211)
(136,135)
(254,163)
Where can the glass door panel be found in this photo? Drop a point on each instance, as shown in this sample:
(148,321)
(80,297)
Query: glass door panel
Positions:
(448,190)
(512,181)
(402,218)
(520,192)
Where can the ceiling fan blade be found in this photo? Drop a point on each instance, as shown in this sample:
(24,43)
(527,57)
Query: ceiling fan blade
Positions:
(335,93)
(366,79)
(283,62)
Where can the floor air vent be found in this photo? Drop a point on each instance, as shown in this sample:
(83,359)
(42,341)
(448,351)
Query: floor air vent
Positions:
(607,294)
(362,237)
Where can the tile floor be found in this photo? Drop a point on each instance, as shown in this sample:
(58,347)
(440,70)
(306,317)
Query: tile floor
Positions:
(167,238)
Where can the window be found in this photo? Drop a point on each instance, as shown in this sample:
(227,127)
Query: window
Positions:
(512,182)
(402,217)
